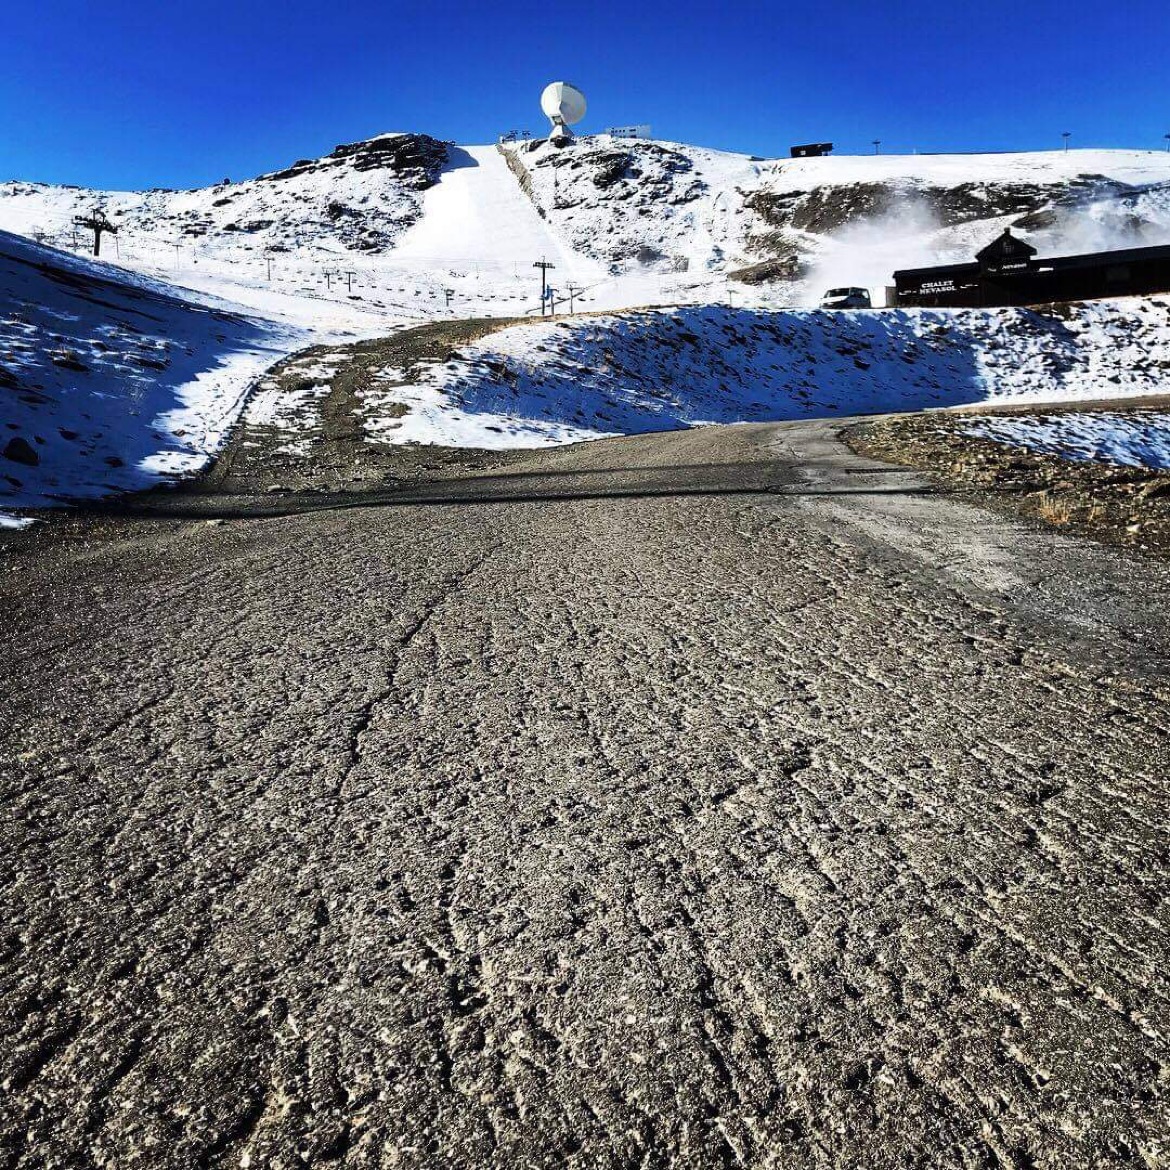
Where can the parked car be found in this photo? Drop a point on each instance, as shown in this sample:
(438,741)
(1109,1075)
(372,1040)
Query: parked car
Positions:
(846,298)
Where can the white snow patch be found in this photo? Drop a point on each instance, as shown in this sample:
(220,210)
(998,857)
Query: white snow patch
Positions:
(1138,439)
(111,382)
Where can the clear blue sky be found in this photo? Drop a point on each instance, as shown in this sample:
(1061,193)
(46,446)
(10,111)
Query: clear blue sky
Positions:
(124,93)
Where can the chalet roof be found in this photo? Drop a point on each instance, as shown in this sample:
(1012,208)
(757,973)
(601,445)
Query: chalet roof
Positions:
(1120,256)
(1084,260)
(1005,247)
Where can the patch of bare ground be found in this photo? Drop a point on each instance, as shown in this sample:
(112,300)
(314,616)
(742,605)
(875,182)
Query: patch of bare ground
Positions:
(1128,506)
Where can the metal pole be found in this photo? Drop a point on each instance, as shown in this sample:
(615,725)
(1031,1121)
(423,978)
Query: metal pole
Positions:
(544,266)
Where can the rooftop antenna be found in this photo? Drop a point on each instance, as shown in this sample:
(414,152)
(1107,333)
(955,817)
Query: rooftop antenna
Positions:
(564,106)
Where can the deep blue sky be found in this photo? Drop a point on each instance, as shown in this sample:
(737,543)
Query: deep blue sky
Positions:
(125,93)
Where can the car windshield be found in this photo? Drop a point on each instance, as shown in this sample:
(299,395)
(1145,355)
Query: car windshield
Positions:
(837,292)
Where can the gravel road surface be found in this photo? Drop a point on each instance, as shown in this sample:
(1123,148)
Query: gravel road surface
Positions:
(708,799)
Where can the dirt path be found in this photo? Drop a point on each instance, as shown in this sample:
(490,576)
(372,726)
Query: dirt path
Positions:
(707,799)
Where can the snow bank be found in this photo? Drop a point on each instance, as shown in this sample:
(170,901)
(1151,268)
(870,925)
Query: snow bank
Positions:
(1138,439)
(111,382)
(537,385)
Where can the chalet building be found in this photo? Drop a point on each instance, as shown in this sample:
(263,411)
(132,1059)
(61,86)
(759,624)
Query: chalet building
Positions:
(811,150)
(1007,272)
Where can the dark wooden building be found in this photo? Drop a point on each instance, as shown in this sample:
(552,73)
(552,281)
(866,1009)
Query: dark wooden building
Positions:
(811,150)
(1007,272)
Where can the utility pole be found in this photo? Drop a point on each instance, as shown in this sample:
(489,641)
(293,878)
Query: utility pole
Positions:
(176,247)
(1167,137)
(544,267)
(877,146)
(328,280)
(552,301)
(268,261)
(448,293)
(1066,135)
(574,289)
(349,274)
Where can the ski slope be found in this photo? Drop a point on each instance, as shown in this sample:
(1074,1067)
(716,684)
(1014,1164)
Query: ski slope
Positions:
(477,218)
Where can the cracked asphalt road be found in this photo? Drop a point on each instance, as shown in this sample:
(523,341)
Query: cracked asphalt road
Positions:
(715,798)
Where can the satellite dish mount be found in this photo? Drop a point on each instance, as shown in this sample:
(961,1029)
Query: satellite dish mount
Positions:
(564,106)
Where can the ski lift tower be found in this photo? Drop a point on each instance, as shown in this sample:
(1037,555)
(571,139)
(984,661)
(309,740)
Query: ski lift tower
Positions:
(98,223)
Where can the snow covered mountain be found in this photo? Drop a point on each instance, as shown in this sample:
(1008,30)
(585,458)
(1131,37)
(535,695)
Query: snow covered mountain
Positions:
(634,203)
(361,197)
(404,226)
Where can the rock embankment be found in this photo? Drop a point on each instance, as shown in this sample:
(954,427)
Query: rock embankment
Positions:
(1128,506)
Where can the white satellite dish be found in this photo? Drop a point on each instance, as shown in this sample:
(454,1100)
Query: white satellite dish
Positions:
(564,104)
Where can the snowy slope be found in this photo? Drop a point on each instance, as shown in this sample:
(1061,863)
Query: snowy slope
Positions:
(640,205)
(359,198)
(110,382)
(280,243)
(1137,439)
(541,384)
(476,222)
(637,203)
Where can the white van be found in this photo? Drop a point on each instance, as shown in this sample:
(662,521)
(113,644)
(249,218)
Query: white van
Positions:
(846,298)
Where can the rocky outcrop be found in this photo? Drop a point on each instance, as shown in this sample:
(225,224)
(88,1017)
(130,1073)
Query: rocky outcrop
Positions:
(778,268)
(522,176)
(648,170)
(824,210)
(414,159)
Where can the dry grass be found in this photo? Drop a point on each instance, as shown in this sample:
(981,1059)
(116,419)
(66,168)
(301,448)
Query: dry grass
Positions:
(1054,509)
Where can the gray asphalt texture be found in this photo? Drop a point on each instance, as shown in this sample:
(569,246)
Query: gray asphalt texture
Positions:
(709,799)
